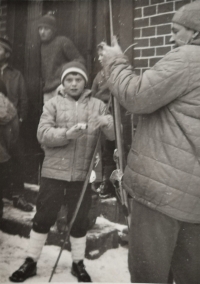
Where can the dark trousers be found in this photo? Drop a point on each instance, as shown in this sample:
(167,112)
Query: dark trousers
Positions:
(158,244)
(107,158)
(52,195)
(17,168)
(4,180)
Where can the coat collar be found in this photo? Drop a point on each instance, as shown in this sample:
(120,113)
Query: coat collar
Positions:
(86,94)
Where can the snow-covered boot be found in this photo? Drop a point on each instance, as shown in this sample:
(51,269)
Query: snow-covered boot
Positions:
(28,269)
(78,270)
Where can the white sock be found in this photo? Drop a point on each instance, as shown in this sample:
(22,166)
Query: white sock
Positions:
(36,244)
(78,246)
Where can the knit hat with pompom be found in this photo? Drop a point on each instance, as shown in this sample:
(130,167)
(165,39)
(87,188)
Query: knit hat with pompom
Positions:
(74,67)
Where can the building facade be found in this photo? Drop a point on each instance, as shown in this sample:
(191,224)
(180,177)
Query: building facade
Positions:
(87,23)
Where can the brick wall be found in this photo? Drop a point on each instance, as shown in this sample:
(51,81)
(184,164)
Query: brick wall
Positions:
(152,30)
(3,15)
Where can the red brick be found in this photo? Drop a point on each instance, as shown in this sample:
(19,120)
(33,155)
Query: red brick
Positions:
(167,7)
(141,3)
(136,33)
(148,31)
(142,42)
(148,52)
(165,29)
(153,61)
(156,41)
(162,50)
(141,63)
(161,19)
(156,1)
(151,10)
(136,52)
(138,13)
(141,23)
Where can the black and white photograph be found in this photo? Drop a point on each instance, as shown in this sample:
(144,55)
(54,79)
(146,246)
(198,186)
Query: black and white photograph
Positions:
(100,141)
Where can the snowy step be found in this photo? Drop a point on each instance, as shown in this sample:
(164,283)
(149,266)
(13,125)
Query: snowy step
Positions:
(108,208)
(103,236)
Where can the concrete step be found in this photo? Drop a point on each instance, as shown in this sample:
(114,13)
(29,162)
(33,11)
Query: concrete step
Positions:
(108,208)
(103,236)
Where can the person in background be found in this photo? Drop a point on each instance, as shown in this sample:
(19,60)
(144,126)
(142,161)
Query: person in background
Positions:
(101,91)
(56,50)
(9,131)
(68,131)
(16,93)
(163,170)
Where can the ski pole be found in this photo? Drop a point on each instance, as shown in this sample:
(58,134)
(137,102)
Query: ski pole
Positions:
(118,133)
(80,198)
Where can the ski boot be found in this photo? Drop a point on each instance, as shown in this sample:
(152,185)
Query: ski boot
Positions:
(28,269)
(78,270)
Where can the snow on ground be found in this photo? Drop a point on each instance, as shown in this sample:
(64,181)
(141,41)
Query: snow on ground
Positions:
(111,267)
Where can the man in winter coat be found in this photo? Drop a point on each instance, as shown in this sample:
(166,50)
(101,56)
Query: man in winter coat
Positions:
(16,93)
(55,52)
(163,169)
(9,130)
(68,145)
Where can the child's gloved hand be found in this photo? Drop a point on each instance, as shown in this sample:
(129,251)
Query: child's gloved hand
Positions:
(76,131)
(100,121)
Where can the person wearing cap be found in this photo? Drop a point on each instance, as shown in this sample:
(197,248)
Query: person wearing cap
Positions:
(16,93)
(56,50)
(163,169)
(68,132)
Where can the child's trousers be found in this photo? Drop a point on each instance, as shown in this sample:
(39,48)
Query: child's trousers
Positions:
(52,195)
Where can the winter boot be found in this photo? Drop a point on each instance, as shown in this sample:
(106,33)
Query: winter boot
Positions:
(21,203)
(28,269)
(78,270)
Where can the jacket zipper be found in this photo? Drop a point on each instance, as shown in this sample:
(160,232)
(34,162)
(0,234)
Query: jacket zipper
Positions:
(75,142)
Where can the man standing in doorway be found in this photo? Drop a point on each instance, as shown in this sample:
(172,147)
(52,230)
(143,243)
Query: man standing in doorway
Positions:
(16,93)
(55,52)
(163,170)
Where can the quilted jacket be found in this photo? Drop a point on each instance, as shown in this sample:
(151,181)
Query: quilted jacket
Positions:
(70,159)
(163,167)
(9,128)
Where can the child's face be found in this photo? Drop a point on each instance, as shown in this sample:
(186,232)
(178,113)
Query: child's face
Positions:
(100,55)
(74,85)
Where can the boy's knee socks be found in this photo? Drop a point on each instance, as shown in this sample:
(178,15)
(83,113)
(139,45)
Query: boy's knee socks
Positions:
(78,246)
(36,244)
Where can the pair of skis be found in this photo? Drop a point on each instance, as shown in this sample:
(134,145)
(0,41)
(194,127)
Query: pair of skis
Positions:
(117,175)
